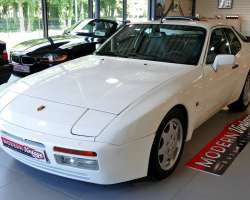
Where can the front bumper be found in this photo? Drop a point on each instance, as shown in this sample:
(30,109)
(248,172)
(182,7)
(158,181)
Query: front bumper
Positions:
(116,163)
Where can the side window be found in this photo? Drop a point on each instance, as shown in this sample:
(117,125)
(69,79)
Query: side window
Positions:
(100,29)
(111,28)
(88,28)
(235,44)
(218,45)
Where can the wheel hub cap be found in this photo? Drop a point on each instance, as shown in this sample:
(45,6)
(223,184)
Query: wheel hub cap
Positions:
(170,144)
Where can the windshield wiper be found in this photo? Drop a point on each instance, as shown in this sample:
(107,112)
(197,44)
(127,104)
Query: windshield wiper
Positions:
(139,56)
(132,55)
(106,54)
(148,57)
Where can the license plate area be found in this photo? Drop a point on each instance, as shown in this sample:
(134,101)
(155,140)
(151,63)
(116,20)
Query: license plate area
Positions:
(21,68)
(33,152)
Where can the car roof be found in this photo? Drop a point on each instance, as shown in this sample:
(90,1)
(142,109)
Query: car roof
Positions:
(199,23)
(100,19)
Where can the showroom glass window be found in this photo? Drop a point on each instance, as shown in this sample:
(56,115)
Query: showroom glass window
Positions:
(64,14)
(219,44)
(20,21)
(159,42)
(137,10)
(111,9)
(235,44)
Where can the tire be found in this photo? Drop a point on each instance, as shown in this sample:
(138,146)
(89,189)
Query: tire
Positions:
(243,102)
(168,145)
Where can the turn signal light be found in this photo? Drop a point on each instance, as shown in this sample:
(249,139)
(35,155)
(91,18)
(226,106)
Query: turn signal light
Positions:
(75,152)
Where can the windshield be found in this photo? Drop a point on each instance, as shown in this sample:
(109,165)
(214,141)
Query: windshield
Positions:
(82,27)
(157,42)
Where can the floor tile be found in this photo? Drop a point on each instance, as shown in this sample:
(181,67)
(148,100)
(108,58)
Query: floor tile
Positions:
(139,189)
(7,176)
(27,189)
(210,129)
(234,184)
(191,196)
(10,163)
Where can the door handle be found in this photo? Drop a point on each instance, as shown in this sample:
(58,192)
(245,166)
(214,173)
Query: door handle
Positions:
(235,66)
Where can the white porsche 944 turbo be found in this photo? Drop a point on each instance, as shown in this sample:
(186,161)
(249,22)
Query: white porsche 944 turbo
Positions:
(126,111)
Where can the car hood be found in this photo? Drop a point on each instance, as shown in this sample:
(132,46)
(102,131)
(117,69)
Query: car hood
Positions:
(62,41)
(100,83)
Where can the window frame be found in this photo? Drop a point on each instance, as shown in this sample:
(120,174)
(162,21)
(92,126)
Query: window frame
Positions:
(230,45)
(209,40)
(241,36)
(202,50)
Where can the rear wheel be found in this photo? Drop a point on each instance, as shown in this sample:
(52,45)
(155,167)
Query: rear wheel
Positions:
(168,145)
(243,102)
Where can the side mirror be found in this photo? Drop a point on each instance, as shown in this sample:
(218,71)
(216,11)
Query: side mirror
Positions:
(220,60)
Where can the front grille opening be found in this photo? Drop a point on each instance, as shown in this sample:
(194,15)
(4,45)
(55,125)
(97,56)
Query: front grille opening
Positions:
(28,60)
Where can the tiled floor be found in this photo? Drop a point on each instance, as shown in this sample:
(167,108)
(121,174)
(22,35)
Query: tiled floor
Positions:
(18,181)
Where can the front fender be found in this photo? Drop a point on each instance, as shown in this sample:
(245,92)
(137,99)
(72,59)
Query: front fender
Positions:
(141,121)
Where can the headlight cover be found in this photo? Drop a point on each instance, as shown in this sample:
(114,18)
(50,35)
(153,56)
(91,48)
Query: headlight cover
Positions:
(92,123)
(54,58)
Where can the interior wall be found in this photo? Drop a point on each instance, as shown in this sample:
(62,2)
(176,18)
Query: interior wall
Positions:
(185,5)
(209,8)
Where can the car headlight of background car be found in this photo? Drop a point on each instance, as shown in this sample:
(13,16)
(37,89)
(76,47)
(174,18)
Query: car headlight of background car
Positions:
(54,58)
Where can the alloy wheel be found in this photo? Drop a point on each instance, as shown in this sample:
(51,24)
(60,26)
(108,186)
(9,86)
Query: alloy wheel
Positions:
(170,144)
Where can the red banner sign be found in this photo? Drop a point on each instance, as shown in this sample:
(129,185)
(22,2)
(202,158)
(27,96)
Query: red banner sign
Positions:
(219,154)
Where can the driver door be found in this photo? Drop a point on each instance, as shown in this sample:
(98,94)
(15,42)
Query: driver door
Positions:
(217,85)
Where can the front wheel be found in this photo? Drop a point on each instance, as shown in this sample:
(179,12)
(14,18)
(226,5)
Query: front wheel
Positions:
(168,145)
(243,102)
